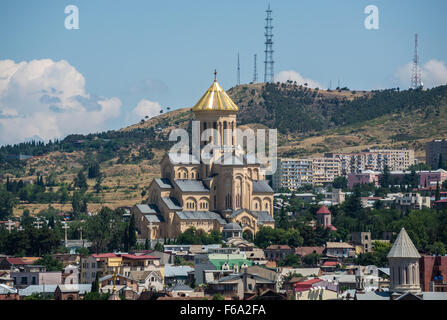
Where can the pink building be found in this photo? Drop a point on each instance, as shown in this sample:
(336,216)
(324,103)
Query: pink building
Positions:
(430,178)
(365,177)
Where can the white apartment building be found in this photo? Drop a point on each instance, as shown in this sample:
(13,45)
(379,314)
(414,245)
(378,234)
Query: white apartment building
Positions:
(374,159)
(325,170)
(292,173)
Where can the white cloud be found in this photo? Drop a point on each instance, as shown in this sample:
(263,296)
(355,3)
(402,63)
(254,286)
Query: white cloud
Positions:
(292,75)
(434,73)
(144,108)
(48,99)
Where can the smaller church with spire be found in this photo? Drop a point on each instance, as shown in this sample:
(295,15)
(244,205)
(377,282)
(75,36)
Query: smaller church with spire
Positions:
(210,194)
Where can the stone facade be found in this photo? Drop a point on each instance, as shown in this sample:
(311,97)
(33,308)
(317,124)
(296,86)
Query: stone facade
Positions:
(208,195)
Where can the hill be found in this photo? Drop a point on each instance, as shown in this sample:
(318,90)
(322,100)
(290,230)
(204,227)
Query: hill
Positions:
(310,122)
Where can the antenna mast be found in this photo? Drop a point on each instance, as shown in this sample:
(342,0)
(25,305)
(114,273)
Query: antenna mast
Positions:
(255,72)
(268,74)
(416,77)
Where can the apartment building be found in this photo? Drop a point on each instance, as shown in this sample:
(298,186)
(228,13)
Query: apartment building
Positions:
(121,263)
(374,160)
(292,173)
(325,170)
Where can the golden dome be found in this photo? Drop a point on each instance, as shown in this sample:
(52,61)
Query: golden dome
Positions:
(215,99)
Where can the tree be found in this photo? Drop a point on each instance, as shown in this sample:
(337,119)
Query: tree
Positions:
(340,183)
(76,204)
(440,162)
(385,178)
(95,283)
(437,192)
(50,263)
(7,202)
(291,260)
(311,259)
(132,232)
(99,179)
(444,185)
(94,170)
(80,181)
(105,230)
(159,247)
(438,248)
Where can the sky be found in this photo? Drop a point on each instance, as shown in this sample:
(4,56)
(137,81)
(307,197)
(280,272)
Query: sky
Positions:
(131,59)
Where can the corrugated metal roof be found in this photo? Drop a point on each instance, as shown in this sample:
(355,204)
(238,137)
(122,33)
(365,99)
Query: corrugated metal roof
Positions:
(147,209)
(154,218)
(261,186)
(171,203)
(200,215)
(191,186)
(81,288)
(403,247)
(4,289)
(39,288)
(177,271)
(163,183)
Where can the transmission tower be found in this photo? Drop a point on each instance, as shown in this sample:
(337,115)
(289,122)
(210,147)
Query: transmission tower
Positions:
(268,74)
(255,72)
(238,70)
(416,77)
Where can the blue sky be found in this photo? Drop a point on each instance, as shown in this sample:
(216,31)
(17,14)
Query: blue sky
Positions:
(166,51)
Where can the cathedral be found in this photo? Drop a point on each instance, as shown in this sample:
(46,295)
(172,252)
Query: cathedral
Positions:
(210,194)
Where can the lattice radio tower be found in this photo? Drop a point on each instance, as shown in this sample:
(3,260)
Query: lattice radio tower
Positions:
(416,76)
(268,74)
(255,72)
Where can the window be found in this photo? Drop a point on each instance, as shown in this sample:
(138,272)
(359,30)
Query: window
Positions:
(24,280)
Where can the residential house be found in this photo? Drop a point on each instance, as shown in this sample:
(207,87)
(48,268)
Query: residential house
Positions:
(108,283)
(35,275)
(147,280)
(218,264)
(276,252)
(239,284)
(176,274)
(339,250)
(316,289)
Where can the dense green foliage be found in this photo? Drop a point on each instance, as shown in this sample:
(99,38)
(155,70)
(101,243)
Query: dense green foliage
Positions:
(30,242)
(50,263)
(292,108)
(194,236)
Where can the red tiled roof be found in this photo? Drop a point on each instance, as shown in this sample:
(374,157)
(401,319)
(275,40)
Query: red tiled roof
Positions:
(278,246)
(136,257)
(330,264)
(104,255)
(333,228)
(441,201)
(15,261)
(304,251)
(305,285)
(323,210)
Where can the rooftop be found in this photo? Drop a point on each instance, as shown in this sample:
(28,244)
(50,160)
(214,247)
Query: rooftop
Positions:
(215,99)
(403,247)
